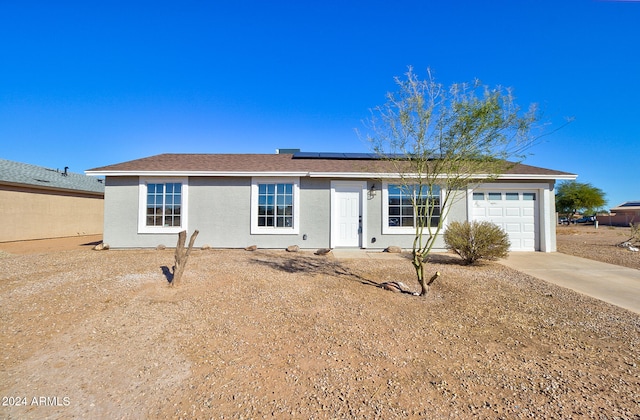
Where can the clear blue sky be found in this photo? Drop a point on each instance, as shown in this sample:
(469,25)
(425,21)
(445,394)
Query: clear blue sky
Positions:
(86,84)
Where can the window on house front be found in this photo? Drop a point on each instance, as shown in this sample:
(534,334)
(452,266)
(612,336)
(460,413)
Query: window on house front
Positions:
(401,212)
(164,204)
(274,205)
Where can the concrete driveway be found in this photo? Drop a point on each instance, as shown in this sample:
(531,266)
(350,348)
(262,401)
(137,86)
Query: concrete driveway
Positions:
(617,285)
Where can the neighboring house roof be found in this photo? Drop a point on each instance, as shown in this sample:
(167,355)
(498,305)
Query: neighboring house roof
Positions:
(627,206)
(299,164)
(23,174)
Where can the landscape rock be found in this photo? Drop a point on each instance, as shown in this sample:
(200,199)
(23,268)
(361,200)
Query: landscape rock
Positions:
(205,247)
(393,249)
(161,247)
(293,248)
(323,251)
(251,248)
(101,247)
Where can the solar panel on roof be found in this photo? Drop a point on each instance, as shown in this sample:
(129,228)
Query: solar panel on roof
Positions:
(631,204)
(306,155)
(363,155)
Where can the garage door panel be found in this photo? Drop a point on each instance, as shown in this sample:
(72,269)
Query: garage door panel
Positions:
(479,212)
(516,215)
(512,212)
(513,227)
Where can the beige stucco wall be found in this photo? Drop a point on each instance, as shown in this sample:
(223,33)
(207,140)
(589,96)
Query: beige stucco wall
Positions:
(620,218)
(38,214)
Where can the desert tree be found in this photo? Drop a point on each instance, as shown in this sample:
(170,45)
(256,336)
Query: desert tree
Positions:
(182,255)
(441,141)
(574,197)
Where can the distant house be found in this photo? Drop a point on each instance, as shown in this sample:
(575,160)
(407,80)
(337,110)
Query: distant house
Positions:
(313,200)
(622,214)
(40,203)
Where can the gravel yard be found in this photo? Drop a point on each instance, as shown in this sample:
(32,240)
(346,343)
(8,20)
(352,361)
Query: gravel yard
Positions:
(597,244)
(270,334)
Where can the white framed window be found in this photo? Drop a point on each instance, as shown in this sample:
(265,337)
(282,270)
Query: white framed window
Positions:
(275,206)
(162,205)
(398,213)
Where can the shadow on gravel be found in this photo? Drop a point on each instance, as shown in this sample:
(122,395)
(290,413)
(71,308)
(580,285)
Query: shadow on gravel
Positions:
(437,258)
(311,266)
(167,273)
(446,259)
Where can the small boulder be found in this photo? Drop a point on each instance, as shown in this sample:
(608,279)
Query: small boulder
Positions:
(393,249)
(251,248)
(323,251)
(101,247)
(161,247)
(205,247)
(293,248)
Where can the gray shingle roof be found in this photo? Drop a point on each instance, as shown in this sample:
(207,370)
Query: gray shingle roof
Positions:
(230,163)
(16,173)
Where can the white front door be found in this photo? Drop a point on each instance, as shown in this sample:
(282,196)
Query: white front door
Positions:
(516,212)
(347,214)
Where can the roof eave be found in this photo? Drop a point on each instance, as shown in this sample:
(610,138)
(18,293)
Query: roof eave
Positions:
(396,175)
(52,188)
(196,173)
(369,175)
(538,177)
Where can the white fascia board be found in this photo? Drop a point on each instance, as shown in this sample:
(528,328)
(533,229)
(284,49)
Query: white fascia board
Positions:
(533,177)
(372,175)
(194,173)
(351,175)
(367,175)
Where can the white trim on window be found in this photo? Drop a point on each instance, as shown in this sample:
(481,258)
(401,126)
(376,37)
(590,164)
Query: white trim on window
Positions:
(142,204)
(398,230)
(272,230)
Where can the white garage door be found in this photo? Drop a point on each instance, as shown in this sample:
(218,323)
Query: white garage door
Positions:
(514,211)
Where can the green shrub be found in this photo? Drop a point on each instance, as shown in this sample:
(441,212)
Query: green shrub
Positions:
(476,240)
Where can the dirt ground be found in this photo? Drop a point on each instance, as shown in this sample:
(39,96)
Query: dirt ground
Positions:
(270,334)
(50,245)
(597,244)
